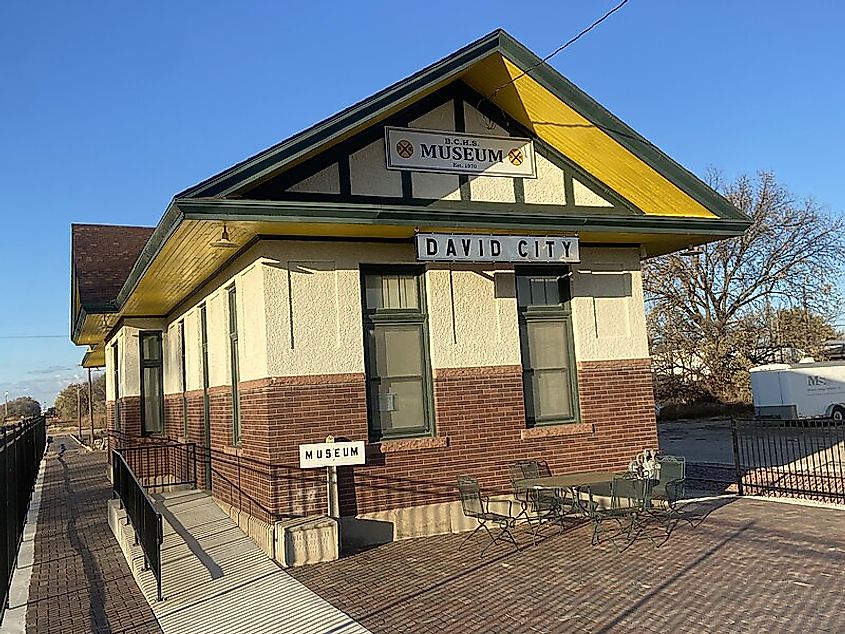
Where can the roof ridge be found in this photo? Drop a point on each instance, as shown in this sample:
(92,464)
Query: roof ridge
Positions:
(103,224)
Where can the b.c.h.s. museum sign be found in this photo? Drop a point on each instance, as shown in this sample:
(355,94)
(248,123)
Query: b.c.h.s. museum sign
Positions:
(458,153)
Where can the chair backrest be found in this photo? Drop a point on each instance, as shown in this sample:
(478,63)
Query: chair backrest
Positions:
(529,469)
(515,472)
(670,469)
(470,494)
(630,491)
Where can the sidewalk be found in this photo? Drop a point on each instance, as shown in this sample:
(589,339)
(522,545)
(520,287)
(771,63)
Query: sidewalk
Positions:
(215,580)
(80,579)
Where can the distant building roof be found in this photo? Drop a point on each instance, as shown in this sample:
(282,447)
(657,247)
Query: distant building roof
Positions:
(102,257)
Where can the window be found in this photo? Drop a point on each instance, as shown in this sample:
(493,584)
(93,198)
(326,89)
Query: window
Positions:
(233,356)
(152,394)
(183,378)
(116,379)
(396,353)
(545,333)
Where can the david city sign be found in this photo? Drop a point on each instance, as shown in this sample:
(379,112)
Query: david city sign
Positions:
(436,247)
(331,454)
(458,153)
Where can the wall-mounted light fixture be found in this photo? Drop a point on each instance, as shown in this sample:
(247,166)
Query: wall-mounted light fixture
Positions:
(692,251)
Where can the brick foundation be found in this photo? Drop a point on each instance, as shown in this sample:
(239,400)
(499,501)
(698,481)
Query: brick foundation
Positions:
(480,428)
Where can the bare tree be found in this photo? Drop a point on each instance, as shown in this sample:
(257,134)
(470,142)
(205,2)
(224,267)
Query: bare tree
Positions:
(709,314)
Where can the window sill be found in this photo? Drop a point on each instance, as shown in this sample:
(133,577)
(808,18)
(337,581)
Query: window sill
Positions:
(555,431)
(407,444)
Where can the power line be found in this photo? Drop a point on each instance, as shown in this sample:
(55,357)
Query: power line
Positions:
(560,48)
(33,336)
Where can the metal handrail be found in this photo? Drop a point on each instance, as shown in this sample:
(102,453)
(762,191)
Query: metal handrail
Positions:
(141,512)
(165,464)
(21,449)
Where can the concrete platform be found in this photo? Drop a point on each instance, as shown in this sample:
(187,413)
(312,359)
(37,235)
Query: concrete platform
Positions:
(216,579)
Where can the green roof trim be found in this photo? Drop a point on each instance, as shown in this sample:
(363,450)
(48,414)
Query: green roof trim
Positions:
(459,214)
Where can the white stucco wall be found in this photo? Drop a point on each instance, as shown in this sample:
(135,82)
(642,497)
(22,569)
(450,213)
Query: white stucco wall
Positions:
(368,175)
(326,181)
(586,197)
(547,188)
(299,313)
(608,315)
(314,321)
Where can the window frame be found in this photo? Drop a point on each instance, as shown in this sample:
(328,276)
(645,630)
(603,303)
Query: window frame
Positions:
(183,377)
(116,423)
(144,364)
(393,316)
(234,363)
(560,312)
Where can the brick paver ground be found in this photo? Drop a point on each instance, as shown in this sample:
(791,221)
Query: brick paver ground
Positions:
(749,566)
(80,579)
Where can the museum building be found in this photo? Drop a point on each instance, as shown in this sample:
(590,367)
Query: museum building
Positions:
(448,270)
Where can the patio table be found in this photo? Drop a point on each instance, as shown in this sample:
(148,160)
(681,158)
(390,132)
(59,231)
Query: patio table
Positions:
(574,482)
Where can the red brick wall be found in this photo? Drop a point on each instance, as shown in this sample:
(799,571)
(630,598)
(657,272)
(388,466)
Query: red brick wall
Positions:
(480,428)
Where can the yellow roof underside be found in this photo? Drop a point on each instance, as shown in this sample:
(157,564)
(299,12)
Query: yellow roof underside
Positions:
(580,140)
(186,260)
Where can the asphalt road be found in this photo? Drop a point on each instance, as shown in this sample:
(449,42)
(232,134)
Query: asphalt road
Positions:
(706,441)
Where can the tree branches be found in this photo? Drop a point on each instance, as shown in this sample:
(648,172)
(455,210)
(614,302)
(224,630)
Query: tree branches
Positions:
(709,315)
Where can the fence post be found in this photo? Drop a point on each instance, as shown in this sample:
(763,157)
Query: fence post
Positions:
(737,461)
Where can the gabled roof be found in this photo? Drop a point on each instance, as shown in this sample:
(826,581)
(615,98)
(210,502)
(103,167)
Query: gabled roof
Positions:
(487,64)
(102,256)
(160,269)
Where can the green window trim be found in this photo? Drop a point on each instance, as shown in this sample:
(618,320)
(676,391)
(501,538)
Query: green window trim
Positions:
(153,369)
(183,378)
(234,365)
(544,305)
(116,379)
(407,316)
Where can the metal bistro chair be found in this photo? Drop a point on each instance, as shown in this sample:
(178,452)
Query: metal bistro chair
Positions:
(538,506)
(668,489)
(629,503)
(478,507)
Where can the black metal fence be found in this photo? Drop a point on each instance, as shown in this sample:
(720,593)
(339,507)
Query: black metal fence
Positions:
(792,458)
(141,513)
(159,466)
(21,449)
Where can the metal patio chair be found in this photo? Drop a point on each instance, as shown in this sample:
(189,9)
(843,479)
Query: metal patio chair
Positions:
(630,497)
(668,490)
(537,506)
(476,506)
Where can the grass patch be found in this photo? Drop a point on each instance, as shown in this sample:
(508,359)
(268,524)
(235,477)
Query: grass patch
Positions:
(681,411)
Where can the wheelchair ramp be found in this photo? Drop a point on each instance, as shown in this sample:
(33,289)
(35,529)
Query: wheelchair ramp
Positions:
(216,579)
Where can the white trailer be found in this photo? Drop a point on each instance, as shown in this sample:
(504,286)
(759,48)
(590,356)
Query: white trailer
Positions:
(799,390)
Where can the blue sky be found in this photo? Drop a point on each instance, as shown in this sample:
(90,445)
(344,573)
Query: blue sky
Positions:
(107,109)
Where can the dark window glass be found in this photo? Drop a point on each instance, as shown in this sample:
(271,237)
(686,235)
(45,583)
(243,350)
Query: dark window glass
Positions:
(233,356)
(548,358)
(183,378)
(152,380)
(116,379)
(396,351)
